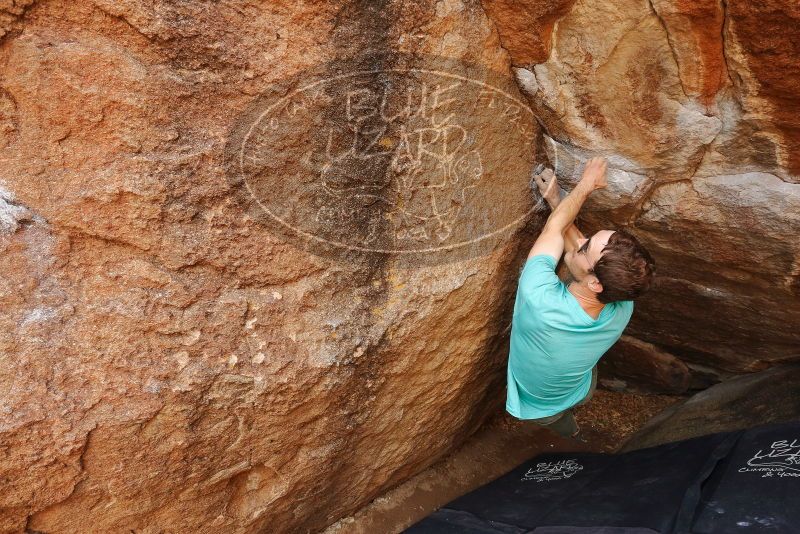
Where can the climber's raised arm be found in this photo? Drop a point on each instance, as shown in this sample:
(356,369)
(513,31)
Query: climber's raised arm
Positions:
(548,186)
(551,240)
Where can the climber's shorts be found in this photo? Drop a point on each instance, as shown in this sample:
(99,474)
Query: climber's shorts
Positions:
(564,422)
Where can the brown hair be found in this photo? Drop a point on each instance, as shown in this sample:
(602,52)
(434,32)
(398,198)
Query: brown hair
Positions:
(625,269)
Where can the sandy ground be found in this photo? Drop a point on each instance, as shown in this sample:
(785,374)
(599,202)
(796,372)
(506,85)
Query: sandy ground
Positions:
(610,418)
(503,443)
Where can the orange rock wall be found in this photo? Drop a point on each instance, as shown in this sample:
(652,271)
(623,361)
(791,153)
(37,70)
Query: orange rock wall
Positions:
(171,364)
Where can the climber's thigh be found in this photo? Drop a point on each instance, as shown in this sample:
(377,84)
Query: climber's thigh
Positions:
(563,423)
(545,421)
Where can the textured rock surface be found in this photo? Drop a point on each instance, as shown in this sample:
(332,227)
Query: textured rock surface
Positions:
(166,363)
(692,103)
(526,26)
(635,365)
(771,396)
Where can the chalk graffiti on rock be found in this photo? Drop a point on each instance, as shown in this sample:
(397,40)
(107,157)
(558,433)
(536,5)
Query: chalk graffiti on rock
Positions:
(388,161)
(546,471)
(782,459)
(429,169)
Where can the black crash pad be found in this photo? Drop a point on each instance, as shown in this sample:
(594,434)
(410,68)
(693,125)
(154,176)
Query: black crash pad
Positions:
(741,481)
(757,487)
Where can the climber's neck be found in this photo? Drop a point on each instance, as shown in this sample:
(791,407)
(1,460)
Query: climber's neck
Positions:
(586,298)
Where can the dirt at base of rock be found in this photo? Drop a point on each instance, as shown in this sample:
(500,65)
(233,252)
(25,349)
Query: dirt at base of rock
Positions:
(610,418)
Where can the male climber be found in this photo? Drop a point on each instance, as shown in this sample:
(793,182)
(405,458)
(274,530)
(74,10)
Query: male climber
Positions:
(558,331)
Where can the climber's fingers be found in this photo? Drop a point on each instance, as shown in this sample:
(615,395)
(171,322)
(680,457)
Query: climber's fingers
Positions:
(552,184)
(544,179)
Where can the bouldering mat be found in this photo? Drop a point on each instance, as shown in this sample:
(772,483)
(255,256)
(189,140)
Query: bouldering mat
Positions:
(757,487)
(695,485)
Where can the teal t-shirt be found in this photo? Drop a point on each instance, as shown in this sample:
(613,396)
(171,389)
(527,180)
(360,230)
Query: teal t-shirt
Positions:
(554,342)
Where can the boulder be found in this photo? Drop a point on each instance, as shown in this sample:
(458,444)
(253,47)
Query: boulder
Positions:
(771,396)
(691,102)
(170,362)
(636,366)
(259,260)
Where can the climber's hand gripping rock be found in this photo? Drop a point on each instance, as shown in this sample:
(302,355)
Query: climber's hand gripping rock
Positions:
(545,180)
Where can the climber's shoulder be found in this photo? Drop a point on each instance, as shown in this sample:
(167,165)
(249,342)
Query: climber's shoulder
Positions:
(550,242)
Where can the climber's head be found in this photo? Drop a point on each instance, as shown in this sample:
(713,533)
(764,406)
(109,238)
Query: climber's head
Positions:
(612,264)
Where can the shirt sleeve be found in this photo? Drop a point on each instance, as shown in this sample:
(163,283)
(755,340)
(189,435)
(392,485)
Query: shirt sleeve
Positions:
(539,274)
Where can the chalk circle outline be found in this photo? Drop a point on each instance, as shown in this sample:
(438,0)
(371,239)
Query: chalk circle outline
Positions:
(242,178)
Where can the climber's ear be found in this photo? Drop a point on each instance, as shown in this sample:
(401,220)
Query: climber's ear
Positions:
(594,284)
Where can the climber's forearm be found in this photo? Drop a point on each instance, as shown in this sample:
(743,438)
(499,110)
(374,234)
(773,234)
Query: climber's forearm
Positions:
(567,210)
(571,238)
